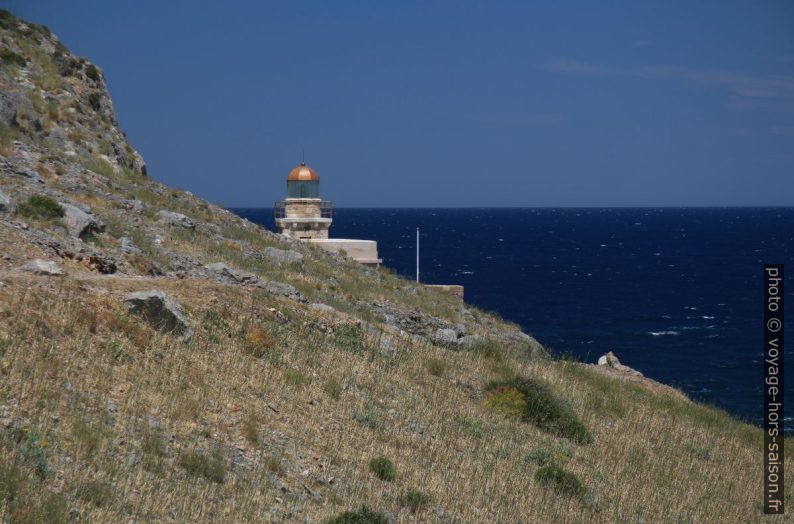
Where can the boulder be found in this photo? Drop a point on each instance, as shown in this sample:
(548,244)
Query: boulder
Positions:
(283,290)
(229,274)
(80,223)
(283,256)
(128,247)
(324,308)
(39,266)
(611,360)
(6,206)
(175,219)
(445,336)
(160,311)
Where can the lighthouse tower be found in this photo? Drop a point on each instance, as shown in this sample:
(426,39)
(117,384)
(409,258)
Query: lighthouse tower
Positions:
(303,214)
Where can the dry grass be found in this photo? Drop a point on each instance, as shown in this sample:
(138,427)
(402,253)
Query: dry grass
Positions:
(66,351)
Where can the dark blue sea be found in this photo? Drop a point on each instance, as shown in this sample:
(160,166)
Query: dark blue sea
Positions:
(676,293)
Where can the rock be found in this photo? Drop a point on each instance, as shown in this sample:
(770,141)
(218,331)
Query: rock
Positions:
(445,336)
(611,360)
(152,422)
(128,247)
(29,173)
(470,341)
(96,261)
(324,308)
(160,311)
(38,266)
(229,274)
(80,223)
(176,219)
(6,206)
(283,256)
(283,290)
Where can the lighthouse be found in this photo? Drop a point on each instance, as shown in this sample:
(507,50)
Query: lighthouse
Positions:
(303,214)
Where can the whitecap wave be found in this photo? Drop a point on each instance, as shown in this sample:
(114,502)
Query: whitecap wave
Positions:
(662,333)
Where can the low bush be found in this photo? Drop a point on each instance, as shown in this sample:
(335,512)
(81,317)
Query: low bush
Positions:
(257,340)
(416,500)
(211,467)
(383,468)
(349,338)
(543,408)
(435,366)
(547,455)
(364,515)
(95,101)
(561,481)
(96,492)
(12,58)
(293,377)
(333,388)
(40,206)
(250,429)
(92,72)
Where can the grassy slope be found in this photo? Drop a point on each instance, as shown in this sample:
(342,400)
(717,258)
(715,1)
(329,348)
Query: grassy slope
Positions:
(105,419)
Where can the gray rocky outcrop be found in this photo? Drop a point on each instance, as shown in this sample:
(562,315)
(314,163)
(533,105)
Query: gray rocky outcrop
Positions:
(128,247)
(81,224)
(176,219)
(610,360)
(323,308)
(283,256)
(6,205)
(39,266)
(445,337)
(229,274)
(282,289)
(160,312)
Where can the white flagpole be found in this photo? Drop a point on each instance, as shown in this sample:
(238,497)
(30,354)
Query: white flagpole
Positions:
(417,255)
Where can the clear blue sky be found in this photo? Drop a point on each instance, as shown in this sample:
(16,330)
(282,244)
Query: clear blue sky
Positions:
(451,103)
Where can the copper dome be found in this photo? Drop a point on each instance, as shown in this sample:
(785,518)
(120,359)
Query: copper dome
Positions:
(303,173)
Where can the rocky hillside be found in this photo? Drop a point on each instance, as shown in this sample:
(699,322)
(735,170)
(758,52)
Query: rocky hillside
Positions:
(162,359)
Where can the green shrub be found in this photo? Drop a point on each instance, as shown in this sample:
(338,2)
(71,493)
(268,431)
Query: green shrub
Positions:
(12,58)
(435,366)
(561,481)
(489,349)
(95,492)
(545,410)
(416,500)
(94,101)
(211,467)
(55,508)
(40,206)
(333,388)
(507,401)
(545,456)
(294,377)
(7,20)
(92,72)
(383,468)
(370,416)
(350,338)
(363,516)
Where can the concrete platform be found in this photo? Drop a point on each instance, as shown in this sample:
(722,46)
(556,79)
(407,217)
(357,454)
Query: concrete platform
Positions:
(362,251)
